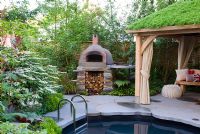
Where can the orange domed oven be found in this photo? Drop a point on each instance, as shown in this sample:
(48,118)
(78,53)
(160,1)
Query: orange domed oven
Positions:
(93,73)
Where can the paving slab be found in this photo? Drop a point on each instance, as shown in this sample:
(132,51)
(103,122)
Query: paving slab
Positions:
(179,110)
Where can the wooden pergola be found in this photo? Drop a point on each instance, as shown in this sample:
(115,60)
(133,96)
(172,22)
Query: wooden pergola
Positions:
(186,35)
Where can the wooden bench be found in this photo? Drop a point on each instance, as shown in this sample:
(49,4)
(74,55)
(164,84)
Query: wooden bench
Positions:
(183,84)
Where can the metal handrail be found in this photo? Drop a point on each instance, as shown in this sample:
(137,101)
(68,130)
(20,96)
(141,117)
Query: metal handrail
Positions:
(86,105)
(73,113)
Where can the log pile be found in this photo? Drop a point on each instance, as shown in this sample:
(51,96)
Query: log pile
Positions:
(94,82)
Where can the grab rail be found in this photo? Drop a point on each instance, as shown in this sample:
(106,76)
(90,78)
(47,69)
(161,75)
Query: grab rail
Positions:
(73,110)
(73,113)
(86,105)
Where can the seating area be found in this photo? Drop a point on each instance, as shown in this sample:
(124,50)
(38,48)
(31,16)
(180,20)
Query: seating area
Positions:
(187,77)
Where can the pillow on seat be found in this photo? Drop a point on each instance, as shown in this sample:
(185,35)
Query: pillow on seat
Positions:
(190,77)
(181,74)
(196,77)
(196,71)
(193,75)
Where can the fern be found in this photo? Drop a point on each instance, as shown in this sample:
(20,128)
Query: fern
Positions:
(121,83)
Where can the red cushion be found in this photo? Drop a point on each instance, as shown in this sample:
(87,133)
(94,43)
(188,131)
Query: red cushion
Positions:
(190,71)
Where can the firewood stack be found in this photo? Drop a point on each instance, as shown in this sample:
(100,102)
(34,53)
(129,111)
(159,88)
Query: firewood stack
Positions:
(94,82)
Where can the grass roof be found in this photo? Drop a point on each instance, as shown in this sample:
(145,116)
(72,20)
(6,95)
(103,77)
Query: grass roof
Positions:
(180,13)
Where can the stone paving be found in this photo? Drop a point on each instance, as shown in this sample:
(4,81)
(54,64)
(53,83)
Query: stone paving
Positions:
(180,110)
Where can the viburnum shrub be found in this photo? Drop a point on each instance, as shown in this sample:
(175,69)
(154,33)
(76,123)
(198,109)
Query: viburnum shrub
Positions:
(25,79)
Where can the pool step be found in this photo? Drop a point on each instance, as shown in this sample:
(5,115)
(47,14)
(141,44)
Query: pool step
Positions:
(82,129)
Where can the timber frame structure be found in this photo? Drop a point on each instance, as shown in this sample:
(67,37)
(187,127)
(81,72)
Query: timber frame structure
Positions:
(185,35)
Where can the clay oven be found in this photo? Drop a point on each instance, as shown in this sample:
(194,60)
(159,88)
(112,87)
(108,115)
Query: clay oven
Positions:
(93,72)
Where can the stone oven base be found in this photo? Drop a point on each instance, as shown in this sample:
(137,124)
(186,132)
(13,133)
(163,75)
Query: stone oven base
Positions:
(94,81)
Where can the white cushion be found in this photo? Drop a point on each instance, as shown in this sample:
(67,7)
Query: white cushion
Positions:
(181,74)
(171,91)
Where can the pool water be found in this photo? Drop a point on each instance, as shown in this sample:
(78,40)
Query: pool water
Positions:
(131,125)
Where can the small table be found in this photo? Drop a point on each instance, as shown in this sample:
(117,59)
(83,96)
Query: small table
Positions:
(129,67)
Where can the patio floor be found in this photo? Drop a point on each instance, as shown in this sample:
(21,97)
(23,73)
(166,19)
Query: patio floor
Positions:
(185,109)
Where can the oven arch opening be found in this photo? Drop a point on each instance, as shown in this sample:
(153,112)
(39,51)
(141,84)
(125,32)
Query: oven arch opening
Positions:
(94,57)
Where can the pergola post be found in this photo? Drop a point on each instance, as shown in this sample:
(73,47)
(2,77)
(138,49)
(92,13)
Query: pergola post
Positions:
(138,63)
(142,72)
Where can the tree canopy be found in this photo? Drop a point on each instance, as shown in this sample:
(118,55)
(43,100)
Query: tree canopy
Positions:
(180,13)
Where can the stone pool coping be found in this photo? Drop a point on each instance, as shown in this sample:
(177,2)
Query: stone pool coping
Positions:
(105,105)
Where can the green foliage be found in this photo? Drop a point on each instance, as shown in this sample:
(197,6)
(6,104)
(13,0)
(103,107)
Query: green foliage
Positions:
(64,44)
(122,88)
(22,128)
(69,87)
(163,68)
(13,117)
(20,12)
(154,90)
(122,92)
(50,102)
(155,87)
(121,83)
(143,8)
(47,126)
(25,78)
(66,27)
(86,93)
(10,116)
(18,28)
(2,108)
(51,126)
(17,20)
(140,9)
(179,13)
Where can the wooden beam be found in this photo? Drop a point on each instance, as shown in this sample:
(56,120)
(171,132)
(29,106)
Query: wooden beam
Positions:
(138,64)
(148,41)
(169,30)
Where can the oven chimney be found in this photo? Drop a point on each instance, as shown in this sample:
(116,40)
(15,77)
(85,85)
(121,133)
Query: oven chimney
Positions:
(95,39)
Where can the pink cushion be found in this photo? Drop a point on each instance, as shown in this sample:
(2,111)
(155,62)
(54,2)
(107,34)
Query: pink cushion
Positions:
(196,71)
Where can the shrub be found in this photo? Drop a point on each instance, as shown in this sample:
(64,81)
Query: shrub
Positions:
(121,83)
(122,88)
(2,108)
(51,101)
(122,92)
(26,78)
(69,87)
(9,116)
(22,128)
(51,126)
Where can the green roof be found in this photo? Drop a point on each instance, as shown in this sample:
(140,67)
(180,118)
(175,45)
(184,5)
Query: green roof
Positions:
(180,13)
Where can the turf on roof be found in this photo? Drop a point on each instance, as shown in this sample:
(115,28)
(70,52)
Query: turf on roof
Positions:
(180,13)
